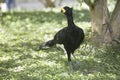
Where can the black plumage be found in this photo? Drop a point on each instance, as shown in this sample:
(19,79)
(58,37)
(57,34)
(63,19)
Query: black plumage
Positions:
(71,36)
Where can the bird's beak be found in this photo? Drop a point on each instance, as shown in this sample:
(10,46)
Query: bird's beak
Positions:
(63,10)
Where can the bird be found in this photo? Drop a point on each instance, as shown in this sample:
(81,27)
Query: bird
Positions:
(71,36)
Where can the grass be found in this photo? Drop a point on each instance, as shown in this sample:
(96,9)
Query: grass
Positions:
(22,32)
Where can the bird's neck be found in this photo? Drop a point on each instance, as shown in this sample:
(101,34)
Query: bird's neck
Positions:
(70,21)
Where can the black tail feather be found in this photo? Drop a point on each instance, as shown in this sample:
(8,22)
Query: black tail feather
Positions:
(49,43)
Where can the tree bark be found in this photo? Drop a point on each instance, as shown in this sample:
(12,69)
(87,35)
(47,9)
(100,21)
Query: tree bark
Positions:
(48,3)
(115,23)
(104,28)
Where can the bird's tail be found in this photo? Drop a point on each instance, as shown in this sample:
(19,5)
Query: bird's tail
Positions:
(49,43)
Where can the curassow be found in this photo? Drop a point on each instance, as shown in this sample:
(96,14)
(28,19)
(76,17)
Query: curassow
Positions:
(71,36)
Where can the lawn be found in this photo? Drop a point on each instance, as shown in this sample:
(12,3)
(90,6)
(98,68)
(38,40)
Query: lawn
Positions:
(22,32)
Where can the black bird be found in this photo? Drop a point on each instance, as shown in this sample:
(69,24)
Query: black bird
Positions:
(71,36)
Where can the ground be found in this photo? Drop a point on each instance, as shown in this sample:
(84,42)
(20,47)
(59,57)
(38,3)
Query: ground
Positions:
(22,32)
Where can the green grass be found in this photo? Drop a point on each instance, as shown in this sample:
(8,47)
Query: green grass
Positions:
(22,32)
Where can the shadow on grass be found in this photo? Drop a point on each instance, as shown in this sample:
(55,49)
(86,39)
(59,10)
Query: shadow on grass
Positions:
(105,62)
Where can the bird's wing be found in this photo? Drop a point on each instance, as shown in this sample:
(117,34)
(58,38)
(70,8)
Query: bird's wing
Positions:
(60,36)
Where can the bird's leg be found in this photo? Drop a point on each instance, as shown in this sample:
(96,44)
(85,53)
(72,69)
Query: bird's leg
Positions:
(76,60)
(69,61)
(70,66)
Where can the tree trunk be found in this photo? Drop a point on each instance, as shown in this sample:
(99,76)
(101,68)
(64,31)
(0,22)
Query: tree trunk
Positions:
(48,3)
(104,29)
(115,23)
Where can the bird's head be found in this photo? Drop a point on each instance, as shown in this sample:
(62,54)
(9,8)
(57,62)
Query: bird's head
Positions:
(66,10)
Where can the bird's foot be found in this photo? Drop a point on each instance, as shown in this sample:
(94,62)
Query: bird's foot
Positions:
(77,64)
(70,67)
